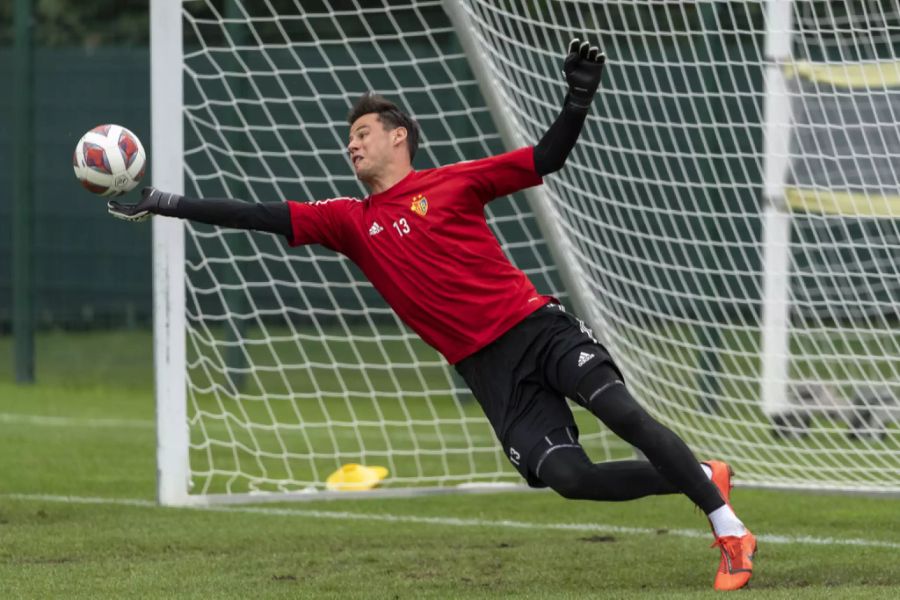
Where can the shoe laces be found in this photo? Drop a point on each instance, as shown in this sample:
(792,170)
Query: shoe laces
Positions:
(728,543)
(732,546)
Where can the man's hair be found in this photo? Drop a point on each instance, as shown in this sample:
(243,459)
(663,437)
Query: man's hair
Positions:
(390,115)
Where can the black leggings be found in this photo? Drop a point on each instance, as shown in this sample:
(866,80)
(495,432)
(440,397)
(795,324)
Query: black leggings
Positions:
(571,474)
(672,466)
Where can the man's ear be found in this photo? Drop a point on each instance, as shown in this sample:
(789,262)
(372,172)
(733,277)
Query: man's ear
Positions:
(398,136)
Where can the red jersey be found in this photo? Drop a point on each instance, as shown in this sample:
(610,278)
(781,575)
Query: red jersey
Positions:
(426,247)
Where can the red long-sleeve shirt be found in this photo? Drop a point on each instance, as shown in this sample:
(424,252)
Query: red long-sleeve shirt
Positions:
(426,247)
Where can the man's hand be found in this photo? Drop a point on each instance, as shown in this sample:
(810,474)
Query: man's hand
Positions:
(152,201)
(583,68)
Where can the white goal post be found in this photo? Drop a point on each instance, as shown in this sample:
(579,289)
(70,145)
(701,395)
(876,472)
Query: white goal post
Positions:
(169,327)
(728,223)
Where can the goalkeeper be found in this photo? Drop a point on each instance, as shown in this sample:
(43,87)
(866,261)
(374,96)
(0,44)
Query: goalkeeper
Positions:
(422,240)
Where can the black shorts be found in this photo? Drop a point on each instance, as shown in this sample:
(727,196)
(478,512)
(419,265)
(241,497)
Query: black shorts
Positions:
(522,380)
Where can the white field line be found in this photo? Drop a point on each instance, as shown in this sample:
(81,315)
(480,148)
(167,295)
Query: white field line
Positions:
(50,421)
(459,522)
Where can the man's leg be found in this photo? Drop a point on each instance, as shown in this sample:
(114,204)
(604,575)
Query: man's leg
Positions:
(603,393)
(562,464)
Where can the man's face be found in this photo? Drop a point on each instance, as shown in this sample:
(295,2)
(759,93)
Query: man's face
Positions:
(371,146)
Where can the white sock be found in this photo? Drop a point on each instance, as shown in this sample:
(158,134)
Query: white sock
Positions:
(725,522)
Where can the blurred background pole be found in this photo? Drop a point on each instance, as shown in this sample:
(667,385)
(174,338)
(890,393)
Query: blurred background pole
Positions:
(23,194)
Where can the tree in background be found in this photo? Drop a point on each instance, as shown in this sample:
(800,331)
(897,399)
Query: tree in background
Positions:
(83,23)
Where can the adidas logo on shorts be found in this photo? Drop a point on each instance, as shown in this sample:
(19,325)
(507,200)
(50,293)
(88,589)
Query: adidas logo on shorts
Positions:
(583,358)
(375,228)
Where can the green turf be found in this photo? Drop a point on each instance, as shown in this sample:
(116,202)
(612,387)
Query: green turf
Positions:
(308,401)
(85,432)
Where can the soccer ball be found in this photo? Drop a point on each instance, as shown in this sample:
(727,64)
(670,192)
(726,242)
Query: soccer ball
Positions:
(109,160)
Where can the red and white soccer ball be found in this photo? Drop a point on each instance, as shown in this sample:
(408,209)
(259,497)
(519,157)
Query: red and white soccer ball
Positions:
(109,160)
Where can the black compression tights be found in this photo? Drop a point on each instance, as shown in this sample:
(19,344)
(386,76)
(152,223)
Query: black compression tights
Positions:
(672,465)
(571,474)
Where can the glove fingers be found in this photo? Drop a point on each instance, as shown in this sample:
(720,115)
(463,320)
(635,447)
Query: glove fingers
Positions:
(573,45)
(126,212)
(583,49)
(119,211)
(601,58)
(592,53)
(115,209)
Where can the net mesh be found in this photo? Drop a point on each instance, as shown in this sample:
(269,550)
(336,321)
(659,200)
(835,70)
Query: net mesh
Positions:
(662,205)
(296,365)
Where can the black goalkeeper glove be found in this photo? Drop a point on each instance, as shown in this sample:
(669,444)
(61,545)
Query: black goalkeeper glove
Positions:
(583,68)
(152,202)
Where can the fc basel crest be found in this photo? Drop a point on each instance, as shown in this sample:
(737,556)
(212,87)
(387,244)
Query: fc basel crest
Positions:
(419,205)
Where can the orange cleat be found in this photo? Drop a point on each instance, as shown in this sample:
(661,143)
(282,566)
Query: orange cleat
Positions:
(736,566)
(721,477)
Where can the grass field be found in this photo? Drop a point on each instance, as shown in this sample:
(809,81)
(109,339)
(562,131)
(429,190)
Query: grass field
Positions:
(78,520)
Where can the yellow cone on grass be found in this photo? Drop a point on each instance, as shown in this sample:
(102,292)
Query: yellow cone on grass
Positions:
(353,478)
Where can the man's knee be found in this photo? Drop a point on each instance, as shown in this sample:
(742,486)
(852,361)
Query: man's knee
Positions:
(567,472)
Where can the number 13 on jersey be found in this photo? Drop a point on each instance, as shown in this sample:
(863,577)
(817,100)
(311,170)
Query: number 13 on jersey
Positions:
(402,227)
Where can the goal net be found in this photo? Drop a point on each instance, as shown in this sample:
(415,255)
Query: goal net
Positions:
(727,222)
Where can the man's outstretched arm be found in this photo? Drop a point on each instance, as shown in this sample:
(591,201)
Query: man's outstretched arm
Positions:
(583,68)
(274,217)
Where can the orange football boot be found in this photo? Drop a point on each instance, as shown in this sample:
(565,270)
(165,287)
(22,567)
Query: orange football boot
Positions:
(736,567)
(736,564)
(721,477)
